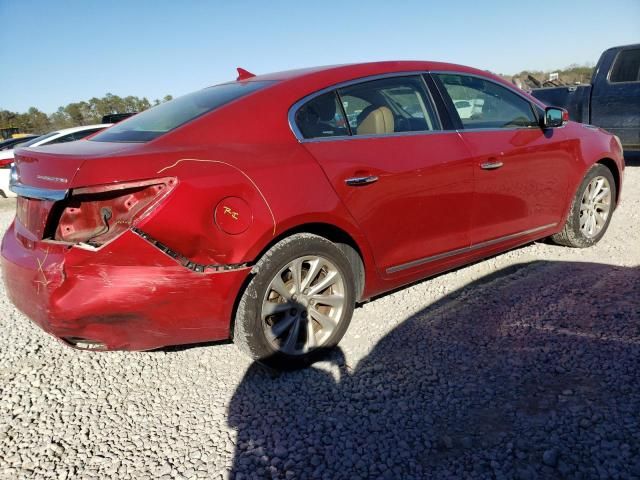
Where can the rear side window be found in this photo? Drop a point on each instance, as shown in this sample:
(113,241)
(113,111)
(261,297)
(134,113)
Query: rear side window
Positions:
(389,105)
(38,139)
(156,121)
(72,137)
(321,117)
(63,139)
(626,67)
(484,104)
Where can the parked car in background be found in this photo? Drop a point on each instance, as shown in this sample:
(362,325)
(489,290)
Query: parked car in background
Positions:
(10,143)
(52,138)
(117,117)
(463,107)
(611,101)
(246,210)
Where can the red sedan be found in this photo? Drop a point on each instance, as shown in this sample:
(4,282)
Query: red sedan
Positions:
(265,209)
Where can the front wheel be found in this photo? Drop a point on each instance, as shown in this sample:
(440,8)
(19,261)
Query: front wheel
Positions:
(591,209)
(298,303)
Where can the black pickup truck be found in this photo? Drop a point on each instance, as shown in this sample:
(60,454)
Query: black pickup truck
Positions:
(612,101)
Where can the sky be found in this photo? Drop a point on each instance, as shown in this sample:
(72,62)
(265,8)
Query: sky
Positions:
(57,52)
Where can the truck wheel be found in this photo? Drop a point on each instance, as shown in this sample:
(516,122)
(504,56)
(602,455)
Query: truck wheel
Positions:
(591,209)
(298,304)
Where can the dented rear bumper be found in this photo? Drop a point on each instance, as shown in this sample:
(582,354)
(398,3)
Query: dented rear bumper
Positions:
(126,295)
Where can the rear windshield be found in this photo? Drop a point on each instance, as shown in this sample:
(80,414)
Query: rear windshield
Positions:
(152,123)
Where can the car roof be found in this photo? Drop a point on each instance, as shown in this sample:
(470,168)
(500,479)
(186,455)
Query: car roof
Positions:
(305,81)
(354,70)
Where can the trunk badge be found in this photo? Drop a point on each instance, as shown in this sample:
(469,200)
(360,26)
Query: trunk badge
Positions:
(52,179)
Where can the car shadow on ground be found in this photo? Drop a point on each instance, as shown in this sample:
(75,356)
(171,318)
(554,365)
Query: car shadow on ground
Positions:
(530,372)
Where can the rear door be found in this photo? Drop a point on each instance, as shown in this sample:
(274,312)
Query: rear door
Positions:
(615,101)
(407,183)
(521,171)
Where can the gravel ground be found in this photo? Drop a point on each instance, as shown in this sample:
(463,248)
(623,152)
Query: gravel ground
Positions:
(521,366)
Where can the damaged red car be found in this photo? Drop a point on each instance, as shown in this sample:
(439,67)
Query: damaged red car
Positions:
(266,208)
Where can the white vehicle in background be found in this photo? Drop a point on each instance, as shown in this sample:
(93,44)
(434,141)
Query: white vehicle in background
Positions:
(59,136)
(464,108)
(477,105)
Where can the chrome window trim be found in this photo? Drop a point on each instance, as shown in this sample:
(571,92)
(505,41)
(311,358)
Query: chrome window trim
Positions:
(294,108)
(38,193)
(472,248)
(300,138)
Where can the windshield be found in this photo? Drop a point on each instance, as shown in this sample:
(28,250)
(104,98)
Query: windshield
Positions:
(152,123)
(38,139)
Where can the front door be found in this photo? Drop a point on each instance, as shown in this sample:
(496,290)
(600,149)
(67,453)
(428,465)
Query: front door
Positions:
(521,171)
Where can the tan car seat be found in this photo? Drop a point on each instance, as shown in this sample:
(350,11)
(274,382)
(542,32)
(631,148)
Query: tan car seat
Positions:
(377,121)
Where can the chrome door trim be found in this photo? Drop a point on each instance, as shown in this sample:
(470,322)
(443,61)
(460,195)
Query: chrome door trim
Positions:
(472,248)
(38,193)
(491,165)
(357,181)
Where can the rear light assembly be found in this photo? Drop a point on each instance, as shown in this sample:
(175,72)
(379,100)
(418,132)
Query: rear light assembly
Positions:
(6,162)
(96,215)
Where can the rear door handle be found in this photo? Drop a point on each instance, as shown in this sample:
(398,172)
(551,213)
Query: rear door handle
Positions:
(491,165)
(356,181)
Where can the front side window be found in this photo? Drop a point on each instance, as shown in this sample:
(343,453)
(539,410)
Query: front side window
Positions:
(388,105)
(158,120)
(626,67)
(321,117)
(484,104)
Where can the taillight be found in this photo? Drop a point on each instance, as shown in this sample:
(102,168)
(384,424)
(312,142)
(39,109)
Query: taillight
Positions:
(95,215)
(6,162)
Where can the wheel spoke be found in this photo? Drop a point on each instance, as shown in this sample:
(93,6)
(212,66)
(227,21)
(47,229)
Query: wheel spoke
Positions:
(331,300)
(311,336)
(326,322)
(296,274)
(600,219)
(583,220)
(315,266)
(278,286)
(326,282)
(604,192)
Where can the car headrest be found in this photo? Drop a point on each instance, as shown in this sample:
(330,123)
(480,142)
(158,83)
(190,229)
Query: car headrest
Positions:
(377,121)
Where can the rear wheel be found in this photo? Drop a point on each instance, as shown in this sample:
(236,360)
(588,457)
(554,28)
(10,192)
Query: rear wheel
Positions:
(298,304)
(591,209)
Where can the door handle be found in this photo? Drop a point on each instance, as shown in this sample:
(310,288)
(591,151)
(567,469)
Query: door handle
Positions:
(357,181)
(491,165)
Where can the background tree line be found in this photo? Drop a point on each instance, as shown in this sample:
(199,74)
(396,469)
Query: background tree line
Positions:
(75,114)
(570,75)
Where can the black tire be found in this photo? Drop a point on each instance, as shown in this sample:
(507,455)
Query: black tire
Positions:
(249,331)
(571,235)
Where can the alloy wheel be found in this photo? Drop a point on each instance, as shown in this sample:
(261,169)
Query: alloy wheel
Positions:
(595,206)
(303,305)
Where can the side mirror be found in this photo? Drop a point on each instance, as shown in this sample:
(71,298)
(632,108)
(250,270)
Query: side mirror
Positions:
(555,117)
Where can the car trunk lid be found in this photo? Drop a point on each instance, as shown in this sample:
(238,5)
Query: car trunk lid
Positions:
(44,175)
